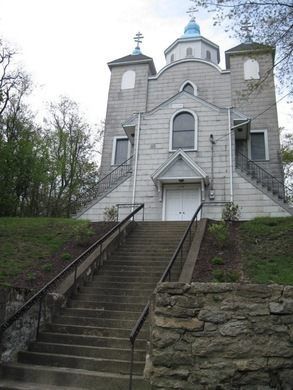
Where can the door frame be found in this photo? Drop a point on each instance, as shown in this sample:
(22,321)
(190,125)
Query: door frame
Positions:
(178,187)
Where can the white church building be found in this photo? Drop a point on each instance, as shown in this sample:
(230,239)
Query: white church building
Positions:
(192,133)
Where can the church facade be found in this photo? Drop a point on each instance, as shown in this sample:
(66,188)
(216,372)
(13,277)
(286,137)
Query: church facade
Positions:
(192,133)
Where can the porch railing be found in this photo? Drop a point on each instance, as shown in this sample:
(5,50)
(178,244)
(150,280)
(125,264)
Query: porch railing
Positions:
(167,274)
(104,184)
(264,178)
(71,269)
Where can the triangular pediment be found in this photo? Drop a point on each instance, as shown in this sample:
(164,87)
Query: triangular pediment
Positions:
(179,167)
(176,102)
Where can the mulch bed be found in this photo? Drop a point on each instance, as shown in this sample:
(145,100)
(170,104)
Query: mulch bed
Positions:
(230,254)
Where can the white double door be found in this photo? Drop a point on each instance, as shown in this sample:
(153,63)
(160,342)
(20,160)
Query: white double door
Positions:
(181,202)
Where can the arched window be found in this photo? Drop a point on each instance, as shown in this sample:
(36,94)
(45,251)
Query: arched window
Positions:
(172,58)
(183,126)
(128,79)
(189,52)
(208,55)
(188,88)
(251,70)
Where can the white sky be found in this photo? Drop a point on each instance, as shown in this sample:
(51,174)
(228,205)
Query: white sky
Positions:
(65,44)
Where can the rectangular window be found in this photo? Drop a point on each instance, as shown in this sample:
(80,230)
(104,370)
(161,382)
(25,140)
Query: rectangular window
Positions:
(258,145)
(120,150)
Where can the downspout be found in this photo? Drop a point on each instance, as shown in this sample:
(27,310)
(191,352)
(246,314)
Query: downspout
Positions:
(136,158)
(212,192)
(230,154)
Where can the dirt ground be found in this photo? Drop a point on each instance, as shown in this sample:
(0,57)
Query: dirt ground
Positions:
(230,270)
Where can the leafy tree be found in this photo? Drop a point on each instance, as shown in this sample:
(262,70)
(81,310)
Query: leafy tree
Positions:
(72,169)
(272,24)
(287,157)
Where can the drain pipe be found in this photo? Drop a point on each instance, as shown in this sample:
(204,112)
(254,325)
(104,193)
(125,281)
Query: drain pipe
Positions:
(230,155)
(212,192)
(136,159)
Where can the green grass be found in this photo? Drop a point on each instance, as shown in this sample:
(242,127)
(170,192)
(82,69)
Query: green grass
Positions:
(267,250)
(24,241)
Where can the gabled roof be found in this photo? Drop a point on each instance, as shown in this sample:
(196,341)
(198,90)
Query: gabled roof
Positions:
(134,59)
(247,48)
(190,171)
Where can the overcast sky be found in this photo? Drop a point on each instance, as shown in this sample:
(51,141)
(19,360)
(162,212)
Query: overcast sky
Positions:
(65,44)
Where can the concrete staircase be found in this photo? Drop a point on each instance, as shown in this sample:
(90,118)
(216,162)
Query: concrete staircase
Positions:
(87,346)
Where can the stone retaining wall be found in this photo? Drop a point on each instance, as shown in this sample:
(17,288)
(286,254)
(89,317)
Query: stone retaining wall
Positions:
(221,336)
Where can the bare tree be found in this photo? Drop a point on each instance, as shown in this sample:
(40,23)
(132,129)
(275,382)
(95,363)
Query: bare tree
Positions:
(271,23)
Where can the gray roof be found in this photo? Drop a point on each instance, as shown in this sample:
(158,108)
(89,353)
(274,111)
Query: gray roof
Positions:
(247,47)
(134,59)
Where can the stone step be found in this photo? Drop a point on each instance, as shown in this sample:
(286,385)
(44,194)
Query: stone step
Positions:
(124,271)
(96,313)
(94,341)
(14,385)
(133,267)
(101,299)
(113,305)
(143,292)
(96,331)
(71,378)
(80,362)
(123,285)
(87,351)
(98,322)
(125,278)
(139,259)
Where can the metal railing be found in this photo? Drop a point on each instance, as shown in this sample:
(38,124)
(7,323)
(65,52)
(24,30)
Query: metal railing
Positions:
(263,177)
(179,252)
(121,206)
(72,268)
(106,182)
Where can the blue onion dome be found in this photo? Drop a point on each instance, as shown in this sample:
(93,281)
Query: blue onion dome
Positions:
(192,29)
(136,51)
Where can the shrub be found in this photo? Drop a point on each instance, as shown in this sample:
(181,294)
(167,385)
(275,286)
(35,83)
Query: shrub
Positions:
(217,261)
(66,256)
(231,212)
(220,232)
(223,276)
(82,232)
(111,214)
(47,267)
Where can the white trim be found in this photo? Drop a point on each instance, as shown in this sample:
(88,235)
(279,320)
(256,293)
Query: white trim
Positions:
(265,132)
(186,60)
(195,130)
(192,84)
(114,148)
(192,164)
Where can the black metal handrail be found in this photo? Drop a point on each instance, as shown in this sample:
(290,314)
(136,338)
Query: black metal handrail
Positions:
(107,181)
(166,274)
(72,267)
(263,177)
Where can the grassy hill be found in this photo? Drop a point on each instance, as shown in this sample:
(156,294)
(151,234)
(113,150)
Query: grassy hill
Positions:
(33,250)
(257,251)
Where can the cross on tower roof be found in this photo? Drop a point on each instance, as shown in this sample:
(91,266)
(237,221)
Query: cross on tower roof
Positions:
(246,26)
(138,38)
(191,11)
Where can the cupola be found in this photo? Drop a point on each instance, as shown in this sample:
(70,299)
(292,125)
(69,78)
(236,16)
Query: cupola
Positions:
(192,45)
